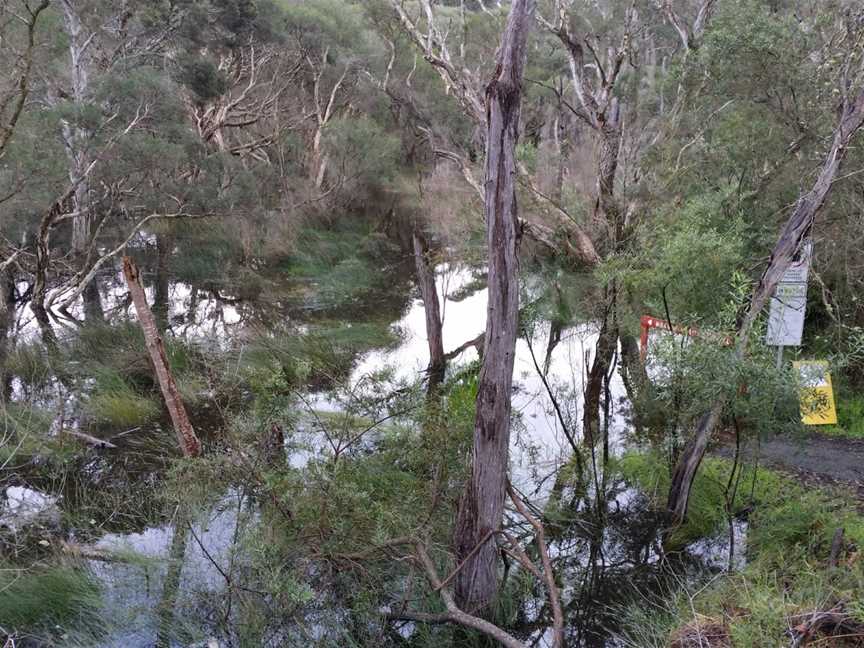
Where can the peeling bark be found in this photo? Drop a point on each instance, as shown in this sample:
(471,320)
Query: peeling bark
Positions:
(482,503)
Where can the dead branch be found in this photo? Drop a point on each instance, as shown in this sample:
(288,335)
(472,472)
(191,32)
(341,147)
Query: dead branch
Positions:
(94,441)
(476,342)
(453,614)
(456,615)
(79,282)
(548,573)
(433,45)
(835,622)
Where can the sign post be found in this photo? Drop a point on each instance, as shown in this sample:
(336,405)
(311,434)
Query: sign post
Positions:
(789,303)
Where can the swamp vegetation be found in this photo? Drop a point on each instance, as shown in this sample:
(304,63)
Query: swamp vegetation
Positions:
(320,323)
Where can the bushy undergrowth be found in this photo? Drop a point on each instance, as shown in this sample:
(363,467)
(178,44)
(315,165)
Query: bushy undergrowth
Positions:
(850,416)
(37,600)
(789,540)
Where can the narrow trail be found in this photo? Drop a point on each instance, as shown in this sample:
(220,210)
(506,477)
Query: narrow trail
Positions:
(813,458)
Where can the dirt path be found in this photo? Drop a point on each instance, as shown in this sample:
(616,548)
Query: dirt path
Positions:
(814,458)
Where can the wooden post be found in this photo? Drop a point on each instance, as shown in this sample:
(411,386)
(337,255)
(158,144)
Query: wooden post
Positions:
(189,443)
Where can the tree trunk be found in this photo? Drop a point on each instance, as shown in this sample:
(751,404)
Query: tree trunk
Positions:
(606,207)
(604,350)
(161,296)
(93,310)
(606,210)
(7,318)
(75,138)
(645,410)
(795,231)
(318,161)
(482,503)
(40,283)
(189,443)
(556,328)
(432,308)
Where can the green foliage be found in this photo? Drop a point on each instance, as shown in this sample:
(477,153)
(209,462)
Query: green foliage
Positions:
(23,431)
(705,512)
(803,520)
(344,266)
(688,373)
(325,23)
(203,78)
(850,415)
(30,362)
(363,150)
(693,254)
(323,354)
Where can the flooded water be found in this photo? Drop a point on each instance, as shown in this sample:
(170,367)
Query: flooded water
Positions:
(539,445)
(166,583)
(140,569)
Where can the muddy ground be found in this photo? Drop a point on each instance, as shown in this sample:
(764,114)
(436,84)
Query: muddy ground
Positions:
(814,458)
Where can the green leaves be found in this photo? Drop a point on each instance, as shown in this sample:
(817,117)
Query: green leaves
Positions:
(202,77)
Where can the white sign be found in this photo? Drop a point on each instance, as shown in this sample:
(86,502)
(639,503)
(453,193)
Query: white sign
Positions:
(789,302)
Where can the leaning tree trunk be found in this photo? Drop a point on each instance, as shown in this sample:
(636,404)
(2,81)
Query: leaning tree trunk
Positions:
(432,308)
(796,229)
(189,443)
(482,504)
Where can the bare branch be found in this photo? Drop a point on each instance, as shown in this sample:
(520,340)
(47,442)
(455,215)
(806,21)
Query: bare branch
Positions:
(456,615)
(548,573)
(691,37)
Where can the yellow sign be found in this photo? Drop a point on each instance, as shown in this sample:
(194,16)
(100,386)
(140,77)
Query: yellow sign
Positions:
(816,393)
